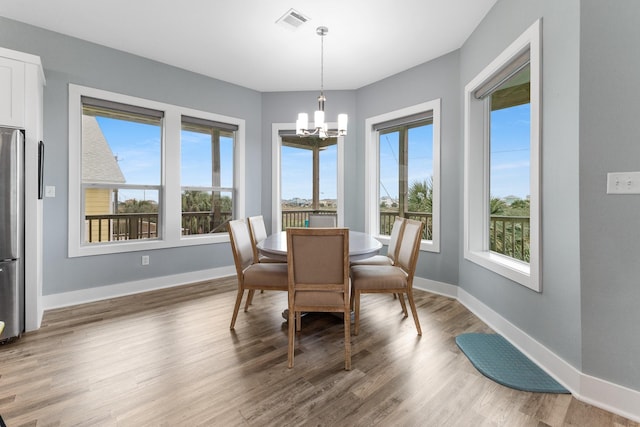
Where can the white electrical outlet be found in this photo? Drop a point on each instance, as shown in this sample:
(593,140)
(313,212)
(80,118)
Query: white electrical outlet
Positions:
(623,183)
(50,191)
(145,259)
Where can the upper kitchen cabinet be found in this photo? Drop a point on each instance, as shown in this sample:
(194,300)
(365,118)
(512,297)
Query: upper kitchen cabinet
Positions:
(20,73)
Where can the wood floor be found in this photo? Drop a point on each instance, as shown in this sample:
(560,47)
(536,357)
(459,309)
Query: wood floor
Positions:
(167,358)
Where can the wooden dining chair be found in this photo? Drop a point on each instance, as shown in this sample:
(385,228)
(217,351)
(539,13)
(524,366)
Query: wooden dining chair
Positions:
(396,279)
(322,220)
(392,254)
(258,232)
(392,249)
(318,260)
(252,275)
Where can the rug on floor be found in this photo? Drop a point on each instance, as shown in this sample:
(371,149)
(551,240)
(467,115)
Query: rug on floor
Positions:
(499,360)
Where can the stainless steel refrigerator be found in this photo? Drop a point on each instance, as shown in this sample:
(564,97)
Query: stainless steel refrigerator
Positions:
(11,232)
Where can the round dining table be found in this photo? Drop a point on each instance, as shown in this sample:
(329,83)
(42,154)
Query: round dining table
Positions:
(361,245)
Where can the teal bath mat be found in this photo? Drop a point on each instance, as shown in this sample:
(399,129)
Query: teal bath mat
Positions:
(500,361)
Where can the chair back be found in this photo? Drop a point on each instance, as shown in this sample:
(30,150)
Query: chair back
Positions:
(410,247)
(394,240)
(258,232)
(322,220)
(240,244)
(318,260)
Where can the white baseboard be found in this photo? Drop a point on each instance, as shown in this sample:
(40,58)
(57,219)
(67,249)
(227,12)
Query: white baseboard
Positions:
(82,296)
(594,391)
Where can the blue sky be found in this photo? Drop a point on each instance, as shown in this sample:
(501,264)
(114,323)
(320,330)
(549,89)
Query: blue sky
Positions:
(137,148)
(510,153)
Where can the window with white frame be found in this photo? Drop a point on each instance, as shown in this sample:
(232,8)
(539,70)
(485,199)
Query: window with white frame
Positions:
(148,175)
(502,163)
(403,171)
(206,175)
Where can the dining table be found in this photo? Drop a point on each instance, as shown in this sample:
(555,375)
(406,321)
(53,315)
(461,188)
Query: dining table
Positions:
(361,245)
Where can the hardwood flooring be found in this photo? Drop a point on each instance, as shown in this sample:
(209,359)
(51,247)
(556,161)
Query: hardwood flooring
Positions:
(168,358)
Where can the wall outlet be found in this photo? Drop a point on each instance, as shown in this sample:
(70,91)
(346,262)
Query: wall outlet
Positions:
(145,259)
(623,183)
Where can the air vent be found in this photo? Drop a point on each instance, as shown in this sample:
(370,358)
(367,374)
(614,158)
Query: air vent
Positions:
(292,19)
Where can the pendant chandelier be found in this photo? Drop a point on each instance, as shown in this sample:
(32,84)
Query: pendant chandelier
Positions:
(320,129)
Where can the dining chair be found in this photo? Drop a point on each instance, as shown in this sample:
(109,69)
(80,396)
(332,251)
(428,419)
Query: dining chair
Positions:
(322,220)
(396,279)
(391,256)
(252,275)
(258,232)
(392,249)
(318,261)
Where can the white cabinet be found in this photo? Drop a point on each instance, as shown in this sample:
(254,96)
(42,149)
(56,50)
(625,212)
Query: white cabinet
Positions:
(21,106)
(11,92)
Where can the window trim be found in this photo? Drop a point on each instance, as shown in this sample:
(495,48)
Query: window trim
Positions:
(170,203)
(476,167)
(372,171)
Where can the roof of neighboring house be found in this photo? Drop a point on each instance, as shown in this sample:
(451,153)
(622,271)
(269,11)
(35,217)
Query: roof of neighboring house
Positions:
(98,162)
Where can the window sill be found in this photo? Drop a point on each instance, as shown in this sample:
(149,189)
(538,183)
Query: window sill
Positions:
(145,245)
(518,271)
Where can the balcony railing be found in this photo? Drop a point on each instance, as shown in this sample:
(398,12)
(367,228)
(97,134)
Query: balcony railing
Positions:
(508,235)
(131,226)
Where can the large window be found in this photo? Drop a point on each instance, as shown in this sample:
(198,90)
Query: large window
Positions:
(502,166)
(206,175)
(121,173)
(308,177)
(147,175)
(403,170)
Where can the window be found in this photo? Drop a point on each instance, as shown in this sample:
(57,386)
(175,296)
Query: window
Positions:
(294,163)
(403,163)
(308,176)
(502,166)
(148,175)
(121,172)
(206,175)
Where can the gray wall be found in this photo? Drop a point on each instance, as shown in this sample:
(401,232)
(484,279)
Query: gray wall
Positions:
(68,60)
(435,79)
(610,224)
(552,317)
(283,107)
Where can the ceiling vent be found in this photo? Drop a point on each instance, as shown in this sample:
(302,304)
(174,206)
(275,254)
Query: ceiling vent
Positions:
(292,20)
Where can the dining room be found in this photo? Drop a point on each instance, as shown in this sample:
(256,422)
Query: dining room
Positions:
(134,328)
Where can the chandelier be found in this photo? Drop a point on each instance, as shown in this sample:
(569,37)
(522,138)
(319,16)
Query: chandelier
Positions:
(318,117)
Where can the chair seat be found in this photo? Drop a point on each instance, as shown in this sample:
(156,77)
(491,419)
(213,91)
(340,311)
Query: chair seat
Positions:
(320,299)
(266,259)
(267,276)
(374,277)
(374,260)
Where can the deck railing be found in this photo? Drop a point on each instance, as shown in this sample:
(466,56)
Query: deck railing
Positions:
(508,235)
(131,226)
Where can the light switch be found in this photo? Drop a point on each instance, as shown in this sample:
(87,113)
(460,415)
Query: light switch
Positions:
(623,183)
(50,191)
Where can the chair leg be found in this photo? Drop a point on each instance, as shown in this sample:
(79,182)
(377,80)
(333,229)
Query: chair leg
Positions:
(298,321)
(347,341)
(249,299)
(291,337)
(356,305)
(236,307)
(414,311)
(403,304)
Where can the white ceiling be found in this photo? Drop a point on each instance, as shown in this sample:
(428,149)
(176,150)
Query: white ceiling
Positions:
(238,41)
